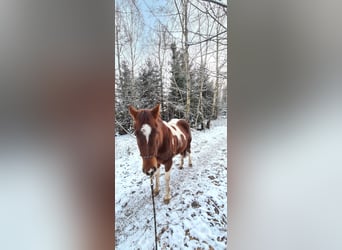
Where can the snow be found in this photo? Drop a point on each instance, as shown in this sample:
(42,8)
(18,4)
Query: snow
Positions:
(197,213)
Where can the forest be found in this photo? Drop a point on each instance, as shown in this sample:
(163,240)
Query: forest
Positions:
(173,53)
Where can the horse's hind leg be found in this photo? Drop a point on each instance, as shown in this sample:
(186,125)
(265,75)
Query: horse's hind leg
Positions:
(189,160)
(189,153)
(182,160)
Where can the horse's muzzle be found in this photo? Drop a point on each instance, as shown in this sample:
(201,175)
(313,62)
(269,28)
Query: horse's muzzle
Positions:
(150,172)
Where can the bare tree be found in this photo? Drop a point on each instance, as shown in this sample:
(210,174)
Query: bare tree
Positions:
(186,59)
(117,38)
(162,44)
(216,86)
(184,19)
(200,112)
(133,28)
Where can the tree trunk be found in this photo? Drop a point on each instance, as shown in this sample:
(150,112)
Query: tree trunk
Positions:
(132,61)
(118,49)
(199,112)
(186,59)
(183,18)
(216,87)
(161,39)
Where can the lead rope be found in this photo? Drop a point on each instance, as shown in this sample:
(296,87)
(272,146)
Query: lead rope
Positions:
(154,214)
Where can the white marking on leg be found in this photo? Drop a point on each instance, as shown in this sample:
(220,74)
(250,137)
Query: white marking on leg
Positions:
(167,185)
(189,158)
(146,130)
(157,175)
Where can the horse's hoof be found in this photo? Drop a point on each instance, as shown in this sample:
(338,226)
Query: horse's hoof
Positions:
(180,167)
(190,165)
(167,200)
(155,192)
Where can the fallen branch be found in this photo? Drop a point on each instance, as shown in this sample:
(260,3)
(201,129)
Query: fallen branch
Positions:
(116,121)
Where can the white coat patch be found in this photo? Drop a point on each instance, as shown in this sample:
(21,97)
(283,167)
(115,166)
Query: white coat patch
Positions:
(172,125)
(146,130)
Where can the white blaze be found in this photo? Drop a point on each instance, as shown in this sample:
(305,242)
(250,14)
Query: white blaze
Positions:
(146,130)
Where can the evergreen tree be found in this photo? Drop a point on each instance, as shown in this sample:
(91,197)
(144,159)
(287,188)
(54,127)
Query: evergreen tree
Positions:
(123,98)
(201,95)
(177,94)
(148,85)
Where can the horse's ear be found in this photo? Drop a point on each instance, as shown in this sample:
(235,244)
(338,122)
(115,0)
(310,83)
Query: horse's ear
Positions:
(133,112)
(155,111)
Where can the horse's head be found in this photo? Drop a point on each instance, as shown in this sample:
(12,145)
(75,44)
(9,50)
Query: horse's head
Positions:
(148,136)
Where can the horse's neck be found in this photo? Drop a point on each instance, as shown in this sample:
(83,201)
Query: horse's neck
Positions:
(164,130)
(162,123)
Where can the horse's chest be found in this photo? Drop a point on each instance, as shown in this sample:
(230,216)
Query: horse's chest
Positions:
(167,150)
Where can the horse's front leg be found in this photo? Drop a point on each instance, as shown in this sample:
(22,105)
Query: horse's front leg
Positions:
(167,181)
(157,175)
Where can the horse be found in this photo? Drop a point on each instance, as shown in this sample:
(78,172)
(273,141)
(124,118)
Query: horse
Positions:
(158,142)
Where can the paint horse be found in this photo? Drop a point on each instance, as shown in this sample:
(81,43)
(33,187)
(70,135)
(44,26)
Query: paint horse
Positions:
(159,142)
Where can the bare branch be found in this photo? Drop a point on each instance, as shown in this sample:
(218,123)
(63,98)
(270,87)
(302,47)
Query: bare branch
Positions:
(215,2)
(208,39)
(208,13)
(116,121)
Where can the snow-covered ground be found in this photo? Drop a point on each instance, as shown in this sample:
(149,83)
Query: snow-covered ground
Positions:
(195,218)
